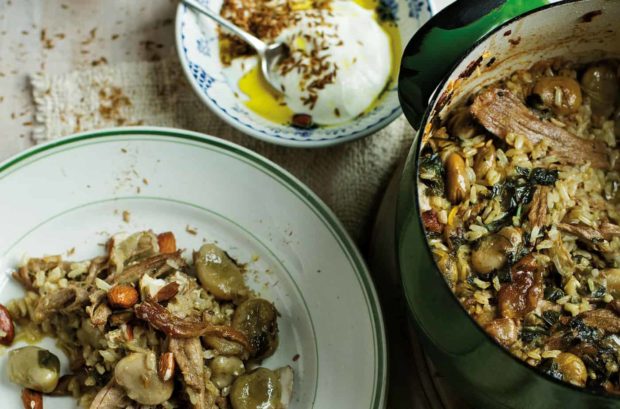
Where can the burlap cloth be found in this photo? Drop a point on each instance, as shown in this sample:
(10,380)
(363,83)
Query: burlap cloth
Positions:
(350,178)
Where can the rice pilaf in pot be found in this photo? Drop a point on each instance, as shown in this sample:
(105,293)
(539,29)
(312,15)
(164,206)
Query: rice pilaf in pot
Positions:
(519,199)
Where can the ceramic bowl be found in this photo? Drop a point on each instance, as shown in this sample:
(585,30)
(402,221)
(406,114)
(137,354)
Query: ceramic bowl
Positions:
(217,86)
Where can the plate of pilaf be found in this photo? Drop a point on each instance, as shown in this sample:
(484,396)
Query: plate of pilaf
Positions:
(178,271)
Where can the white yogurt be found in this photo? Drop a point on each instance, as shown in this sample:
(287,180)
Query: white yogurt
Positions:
(354,53)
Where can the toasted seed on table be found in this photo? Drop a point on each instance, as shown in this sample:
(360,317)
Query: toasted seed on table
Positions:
(7,329)
(122,296)
(32,399)
(166,366)
(167,242)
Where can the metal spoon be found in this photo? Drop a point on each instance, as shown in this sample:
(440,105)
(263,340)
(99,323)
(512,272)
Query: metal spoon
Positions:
(268,54)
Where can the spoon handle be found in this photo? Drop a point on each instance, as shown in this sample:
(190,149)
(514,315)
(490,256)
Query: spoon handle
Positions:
(254,42)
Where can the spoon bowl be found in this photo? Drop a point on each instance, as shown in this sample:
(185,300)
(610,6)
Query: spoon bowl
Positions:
(272,54)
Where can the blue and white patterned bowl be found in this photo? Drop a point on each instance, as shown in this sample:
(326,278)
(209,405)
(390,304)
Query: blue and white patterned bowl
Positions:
(198,48)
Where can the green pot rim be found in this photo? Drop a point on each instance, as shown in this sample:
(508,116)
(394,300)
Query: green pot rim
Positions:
(413,155)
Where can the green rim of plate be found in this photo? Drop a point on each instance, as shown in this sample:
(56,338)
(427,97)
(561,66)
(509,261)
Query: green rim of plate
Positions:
(286,180)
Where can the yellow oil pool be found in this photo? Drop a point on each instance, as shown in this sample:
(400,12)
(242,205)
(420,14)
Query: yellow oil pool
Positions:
(262,100)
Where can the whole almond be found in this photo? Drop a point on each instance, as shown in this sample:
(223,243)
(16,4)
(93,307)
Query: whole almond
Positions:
(167,242)
(167,292)
(32,399)
(122,296)
(7,330)
(166,366)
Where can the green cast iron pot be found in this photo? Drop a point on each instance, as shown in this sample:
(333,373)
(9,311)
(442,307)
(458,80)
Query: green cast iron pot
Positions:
(466,46)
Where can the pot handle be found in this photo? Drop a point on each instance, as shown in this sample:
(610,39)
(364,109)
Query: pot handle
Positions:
(436,47)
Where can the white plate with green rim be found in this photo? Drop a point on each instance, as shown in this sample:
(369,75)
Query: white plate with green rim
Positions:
(72,193)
